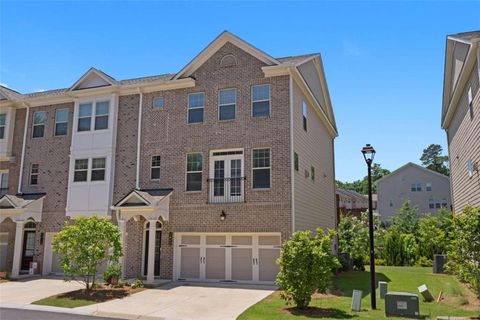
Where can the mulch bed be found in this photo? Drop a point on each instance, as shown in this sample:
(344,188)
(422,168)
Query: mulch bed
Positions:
(101,294)
(315,312)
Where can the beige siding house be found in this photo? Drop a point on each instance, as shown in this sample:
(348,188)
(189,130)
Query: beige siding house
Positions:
(426,189)
(461,116)
(205,171)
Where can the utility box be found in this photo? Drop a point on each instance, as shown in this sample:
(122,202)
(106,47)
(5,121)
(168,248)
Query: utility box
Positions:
(427,296)
(402,304)
(439,261)
(383,288)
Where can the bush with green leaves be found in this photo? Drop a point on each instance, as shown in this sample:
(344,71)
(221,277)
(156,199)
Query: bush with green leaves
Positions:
(400,249)
(353,238)
(434,233)
(114,271)
(464,252)
(85,243)
(407,219)
(306,266)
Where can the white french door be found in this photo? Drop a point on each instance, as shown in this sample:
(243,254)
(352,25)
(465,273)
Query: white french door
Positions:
(233,257)
(226,182)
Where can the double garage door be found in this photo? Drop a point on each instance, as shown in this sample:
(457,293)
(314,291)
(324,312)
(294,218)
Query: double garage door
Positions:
(233,257)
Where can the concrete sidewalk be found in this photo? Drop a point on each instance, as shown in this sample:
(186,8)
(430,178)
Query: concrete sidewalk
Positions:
(173,301)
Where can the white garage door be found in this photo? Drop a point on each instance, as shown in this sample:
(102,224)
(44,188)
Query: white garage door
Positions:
(231,257)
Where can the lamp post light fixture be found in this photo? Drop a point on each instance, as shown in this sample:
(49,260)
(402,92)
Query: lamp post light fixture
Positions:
(223,215)
(369,153)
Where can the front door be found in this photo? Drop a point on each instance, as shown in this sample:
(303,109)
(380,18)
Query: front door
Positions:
(158,244)
(28,249)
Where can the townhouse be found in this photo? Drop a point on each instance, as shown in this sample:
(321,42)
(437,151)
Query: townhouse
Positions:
(205,171)
(426,189)
(461,116)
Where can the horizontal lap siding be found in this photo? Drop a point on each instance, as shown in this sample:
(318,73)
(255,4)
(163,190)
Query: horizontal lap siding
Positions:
(314,202)
(464,145)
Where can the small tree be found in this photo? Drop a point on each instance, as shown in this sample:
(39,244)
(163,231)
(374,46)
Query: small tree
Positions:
(407,219)
(433,233)
(84,244)
(433,159)
(464,253)
(306,266)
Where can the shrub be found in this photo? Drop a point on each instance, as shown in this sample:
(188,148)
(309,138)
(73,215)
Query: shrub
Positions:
(84,244)
(464,252)
(407,219)
(137,283)
(380,262)
(400,249)
(306,265)
(433,233)
(114,271)
(423,262)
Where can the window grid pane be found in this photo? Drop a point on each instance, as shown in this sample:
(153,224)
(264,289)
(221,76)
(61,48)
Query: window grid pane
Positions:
(261,100)
(194,172)
(3,119)
(196,100)
(158,103)
(261,168)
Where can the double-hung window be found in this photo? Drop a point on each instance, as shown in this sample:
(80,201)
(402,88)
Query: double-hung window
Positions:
(84,116)
(158,103)
(261,168)
(196,104)
(101,115)
(194,171)
(39,120)
(34,169)
(155,168)
(261,100)
(304,115)
(81,170)
(428,186)
(61,122)
(3,183)
(227,100)
(416,187)
(3,122)
(98,169)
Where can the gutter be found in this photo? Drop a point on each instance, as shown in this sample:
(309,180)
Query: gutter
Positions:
(139,133)
(22,160)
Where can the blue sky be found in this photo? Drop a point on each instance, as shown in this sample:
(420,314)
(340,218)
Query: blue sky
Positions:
(383,60)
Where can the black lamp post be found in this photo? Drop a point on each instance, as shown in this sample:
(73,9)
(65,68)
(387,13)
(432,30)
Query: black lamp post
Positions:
(369,154)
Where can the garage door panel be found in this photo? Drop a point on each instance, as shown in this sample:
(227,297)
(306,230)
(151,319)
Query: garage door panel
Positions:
(242,268)
(56,267)
(267,266)
(215,263)
(189,263)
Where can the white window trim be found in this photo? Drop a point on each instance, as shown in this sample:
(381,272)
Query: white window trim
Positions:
(104,169)
(33,174)
(260,189)
(155,167)
(5,127)
(43,124)
(92,114)
(57,122)
(145,229)
(186,172)
(269,100)
(222,105)
(194,108)
(75,170)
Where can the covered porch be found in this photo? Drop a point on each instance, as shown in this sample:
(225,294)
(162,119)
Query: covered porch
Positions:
(150,209)
(24,210)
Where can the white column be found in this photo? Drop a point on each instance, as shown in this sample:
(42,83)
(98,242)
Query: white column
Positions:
(17,249)
(151,251)
(121,226)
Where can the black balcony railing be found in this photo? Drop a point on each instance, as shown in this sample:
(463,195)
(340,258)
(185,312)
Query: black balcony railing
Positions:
(3,191)
(226,190)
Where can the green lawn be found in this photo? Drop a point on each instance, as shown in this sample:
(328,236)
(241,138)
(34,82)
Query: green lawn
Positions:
(399,279)
(64,302)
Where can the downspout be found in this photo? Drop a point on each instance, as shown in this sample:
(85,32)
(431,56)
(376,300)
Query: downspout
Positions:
(292,169)
(139,133)
(22,159)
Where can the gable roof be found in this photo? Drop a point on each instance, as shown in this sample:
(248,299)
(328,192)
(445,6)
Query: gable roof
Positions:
(216,44)
(411,165)
(451,95)
(9,94)
(93,78)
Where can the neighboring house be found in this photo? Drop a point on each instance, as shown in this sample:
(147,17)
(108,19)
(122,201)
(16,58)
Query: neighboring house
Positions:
(461,116)
(350,202)
(426,189)
(205,171)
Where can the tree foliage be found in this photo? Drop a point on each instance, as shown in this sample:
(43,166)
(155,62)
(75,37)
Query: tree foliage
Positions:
(400,249)
(434,234)
(84,244)
(433,159)
(407,219)
(306,265)
(361,186)
(464,253)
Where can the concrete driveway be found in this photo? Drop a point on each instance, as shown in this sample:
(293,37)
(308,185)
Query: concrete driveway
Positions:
(184,301)
(173,301)
(14,294)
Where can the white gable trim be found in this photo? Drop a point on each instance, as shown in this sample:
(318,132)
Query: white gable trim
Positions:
(92,72)
(414,165)
(215,45)
(128,197)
